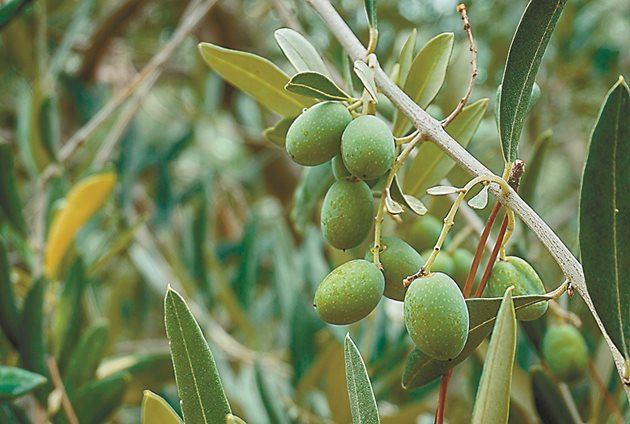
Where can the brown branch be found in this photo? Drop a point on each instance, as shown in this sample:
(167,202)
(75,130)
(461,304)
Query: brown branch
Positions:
(441,406)
(473,63)
(58,383)
(493,258)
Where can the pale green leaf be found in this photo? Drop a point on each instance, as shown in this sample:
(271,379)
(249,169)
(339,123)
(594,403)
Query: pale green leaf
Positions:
(442,190)
(431,164)
(392,206)
(157,410)
(316,85)
(526,51)
(480,200)
(605,216)
(406,56)
(256,76)
(302,55)
(426,76)
(366,76)
(277,134)
(198,383)
(411,202)
(492,404)
(362,402)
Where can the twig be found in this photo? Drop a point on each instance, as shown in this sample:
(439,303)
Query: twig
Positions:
(434,131)
(493,257)
(473,63)
(441,406)
(58,383)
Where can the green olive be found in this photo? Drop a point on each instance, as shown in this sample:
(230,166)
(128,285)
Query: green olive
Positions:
(516,272)
(315,136)
(349,293)
(399,260)
(424,233)
(436,316)
(565,351)
(339,169)
(443,263)
(367,147)
(347,213)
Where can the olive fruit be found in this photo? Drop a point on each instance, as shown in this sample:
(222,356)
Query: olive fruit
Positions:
(462,262)
(443,263)
(315,136)
(516,272)
(367,147)
(565,351)
(339,169)
(347,213)
(424,233)
(349,293)
(399,260)
(436,316)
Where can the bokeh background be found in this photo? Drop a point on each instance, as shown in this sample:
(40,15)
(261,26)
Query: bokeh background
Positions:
(204,202)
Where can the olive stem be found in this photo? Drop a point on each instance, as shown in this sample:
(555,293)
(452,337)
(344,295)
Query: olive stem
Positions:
(372,41)
(398,163)
(355,105)
(406,139)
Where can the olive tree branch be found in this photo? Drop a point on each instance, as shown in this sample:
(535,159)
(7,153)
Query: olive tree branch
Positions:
(433,131)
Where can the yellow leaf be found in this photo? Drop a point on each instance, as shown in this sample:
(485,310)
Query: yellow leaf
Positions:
(82,202)
(157,410)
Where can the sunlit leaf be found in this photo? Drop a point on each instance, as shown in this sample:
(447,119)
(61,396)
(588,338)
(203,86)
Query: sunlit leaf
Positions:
(526,51)
(362,402)
(198,383)
(366,76)
(300,52)
(480,200)
(233,419)
(157,410)
(83,201)
(426,76)
(492,404)
(431,164)
(605,216)
(15,382)
(313,84)
(257,77)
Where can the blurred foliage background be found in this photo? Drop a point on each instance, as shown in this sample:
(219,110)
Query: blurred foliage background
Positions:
(205,203)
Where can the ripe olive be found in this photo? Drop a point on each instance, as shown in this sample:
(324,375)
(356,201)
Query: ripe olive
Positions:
(565,351)
(349,293)
(339,169)
(436,316)
(516,272)
(347,213)
(399,260)
(315,136)
(424,233)
(443,263)
(367,147)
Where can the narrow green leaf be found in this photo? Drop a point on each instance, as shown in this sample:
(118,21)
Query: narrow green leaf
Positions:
(302,55)
(96,401)
(406,56)
(66,321)
(316,85)
(198,383)
(157,410)
(86,356)
(426,76)
(277,134)
(421,369)
(256,76)
(492,404)
(50,126)
(431,164)
(370,9)
(526,51)
(10,10)
(10,204)
(270,399)
(605,216)
(362,402)
(529,181)
(366,76)
(9,313)
(314,182)
(15,382)
(551,406)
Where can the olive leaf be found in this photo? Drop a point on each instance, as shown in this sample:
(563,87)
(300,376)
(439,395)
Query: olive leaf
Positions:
(392,206)
(406,55)
(431,164)
(426,76)
(529,182)
(277,133)
(10,204)
(198,383)
(96,401)
(362,402)
(492,403)
(480,200)
(316,85)
(233,419)
(421,369)
(302,55)
(412,203)
(156,410)
(366,76)
(442,190)
(314,182)
(16,382)
(370,9)
(526,51)
(605,216)
(270,399)
(9,311)
(256,76)
(551,405)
